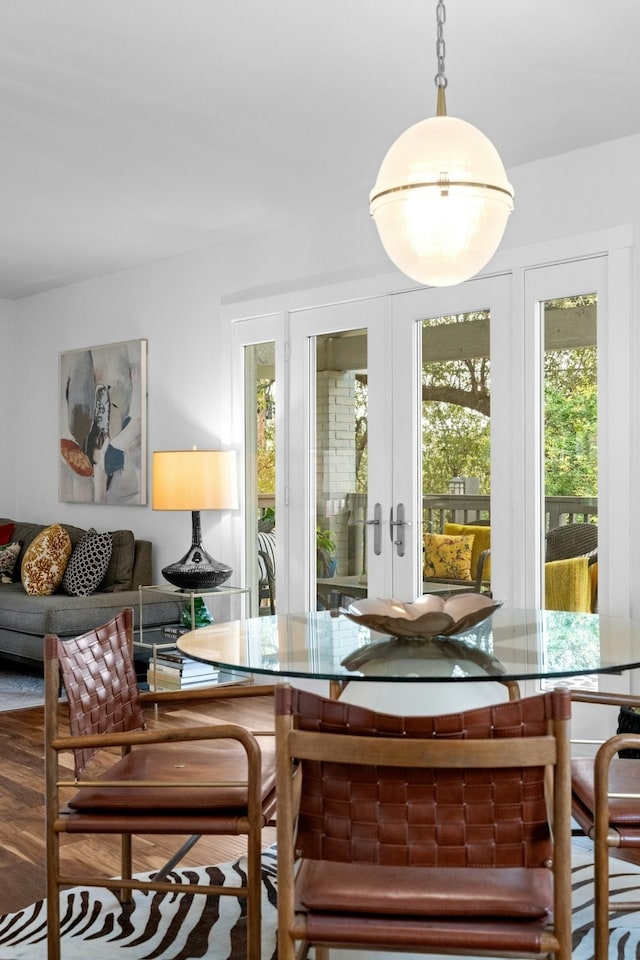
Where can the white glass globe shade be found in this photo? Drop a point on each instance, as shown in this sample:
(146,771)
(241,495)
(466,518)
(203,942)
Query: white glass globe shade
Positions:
(441,201)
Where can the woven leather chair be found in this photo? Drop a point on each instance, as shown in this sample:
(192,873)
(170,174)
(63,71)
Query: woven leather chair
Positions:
(606,805)
(207,779)
(423,834)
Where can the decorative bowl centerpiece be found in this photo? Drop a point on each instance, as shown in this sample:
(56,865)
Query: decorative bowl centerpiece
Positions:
(427,617)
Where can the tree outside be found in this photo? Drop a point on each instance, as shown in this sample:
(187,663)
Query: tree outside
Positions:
(456,406)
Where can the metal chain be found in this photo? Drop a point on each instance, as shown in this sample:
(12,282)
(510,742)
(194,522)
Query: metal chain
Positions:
(441,17)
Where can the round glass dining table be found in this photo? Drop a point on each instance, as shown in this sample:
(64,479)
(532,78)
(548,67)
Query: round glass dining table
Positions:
(510,645)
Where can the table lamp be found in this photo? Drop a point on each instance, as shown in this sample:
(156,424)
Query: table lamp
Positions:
(195,480)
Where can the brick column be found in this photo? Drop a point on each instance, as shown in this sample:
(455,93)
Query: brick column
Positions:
(335,456)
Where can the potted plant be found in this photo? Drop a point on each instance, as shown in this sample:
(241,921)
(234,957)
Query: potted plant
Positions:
(326,547)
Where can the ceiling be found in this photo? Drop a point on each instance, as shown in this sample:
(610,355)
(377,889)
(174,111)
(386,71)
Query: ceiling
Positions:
(133,130)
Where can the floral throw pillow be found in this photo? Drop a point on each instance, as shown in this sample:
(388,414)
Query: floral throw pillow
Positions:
(45,561)
(9,553)
(447,556)
(87,564)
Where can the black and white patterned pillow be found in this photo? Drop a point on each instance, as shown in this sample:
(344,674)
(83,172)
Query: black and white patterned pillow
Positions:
(9,553)
(87,564)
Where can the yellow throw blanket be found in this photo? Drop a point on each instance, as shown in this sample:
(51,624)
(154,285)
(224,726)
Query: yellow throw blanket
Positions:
(568,585)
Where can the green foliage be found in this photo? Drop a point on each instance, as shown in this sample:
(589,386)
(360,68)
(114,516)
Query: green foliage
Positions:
(456,431)
(325,541)
(571,417)
(266,436)
(455,443)
(456,396)
(455,415)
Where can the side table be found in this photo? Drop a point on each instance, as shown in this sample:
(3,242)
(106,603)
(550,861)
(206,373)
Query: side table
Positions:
(189,596)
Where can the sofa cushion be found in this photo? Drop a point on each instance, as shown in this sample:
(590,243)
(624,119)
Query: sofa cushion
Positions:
(120,569)
(87,564)
(9,553)
(6,532)
(70,616)
(45,561)
(27,532)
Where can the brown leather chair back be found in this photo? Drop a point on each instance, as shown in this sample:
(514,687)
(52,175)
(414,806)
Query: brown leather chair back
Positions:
(432,817)
(100,681)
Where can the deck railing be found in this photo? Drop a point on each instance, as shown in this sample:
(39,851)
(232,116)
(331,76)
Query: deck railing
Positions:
(438,509)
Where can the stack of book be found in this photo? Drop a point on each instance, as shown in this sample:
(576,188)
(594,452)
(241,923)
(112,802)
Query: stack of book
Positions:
(173,630)
(173,671)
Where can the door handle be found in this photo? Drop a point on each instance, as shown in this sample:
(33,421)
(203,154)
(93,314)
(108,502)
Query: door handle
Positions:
(376,523)
(398,538)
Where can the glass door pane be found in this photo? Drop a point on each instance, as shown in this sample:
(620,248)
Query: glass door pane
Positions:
(260,477)
(565,303)
(258,412)
(341,467)
(456,451)
(447,367)
(340,464)
(570,391)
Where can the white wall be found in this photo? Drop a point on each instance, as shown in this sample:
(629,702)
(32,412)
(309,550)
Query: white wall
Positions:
(175,305)
(10,406)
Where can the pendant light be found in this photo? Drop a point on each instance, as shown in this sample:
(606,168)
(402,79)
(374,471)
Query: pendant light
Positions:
(442,199)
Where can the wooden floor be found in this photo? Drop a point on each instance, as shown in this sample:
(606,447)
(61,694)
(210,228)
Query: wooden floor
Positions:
(22,841)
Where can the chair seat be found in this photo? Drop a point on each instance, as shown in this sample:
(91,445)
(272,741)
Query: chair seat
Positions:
(624,814)
(411,934)
(180,763)
(421,892)
(224,822)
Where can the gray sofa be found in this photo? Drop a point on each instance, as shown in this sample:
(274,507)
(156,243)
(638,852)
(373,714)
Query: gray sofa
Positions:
(24,619)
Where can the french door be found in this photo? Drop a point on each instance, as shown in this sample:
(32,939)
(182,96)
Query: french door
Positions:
(396,413)
(361,373)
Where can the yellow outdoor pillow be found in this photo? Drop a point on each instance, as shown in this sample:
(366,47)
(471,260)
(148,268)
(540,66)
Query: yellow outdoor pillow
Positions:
(447,557)
(481,541)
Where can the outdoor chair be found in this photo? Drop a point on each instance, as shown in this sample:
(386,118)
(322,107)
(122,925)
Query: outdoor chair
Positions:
(572,540)
(606,806)
(267,570)
(423,834)
(571,567)
(470,566)
(186,781)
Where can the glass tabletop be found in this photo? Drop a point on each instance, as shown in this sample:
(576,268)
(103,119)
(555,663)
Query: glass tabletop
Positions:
(510,645)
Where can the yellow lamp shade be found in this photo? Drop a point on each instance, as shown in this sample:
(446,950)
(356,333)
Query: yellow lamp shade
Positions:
(441,201)
(194,480)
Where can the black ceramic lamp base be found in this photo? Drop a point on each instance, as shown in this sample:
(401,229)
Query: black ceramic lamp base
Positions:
(197,570)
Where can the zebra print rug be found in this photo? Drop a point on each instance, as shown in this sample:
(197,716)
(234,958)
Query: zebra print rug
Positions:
(154,926)
(184,927)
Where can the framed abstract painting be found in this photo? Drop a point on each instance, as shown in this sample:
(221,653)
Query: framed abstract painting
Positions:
(103,424)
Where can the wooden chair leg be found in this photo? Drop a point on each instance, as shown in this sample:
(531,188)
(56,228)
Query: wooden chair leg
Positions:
(254,899)
(601,897)
(53,898)
(125,866)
